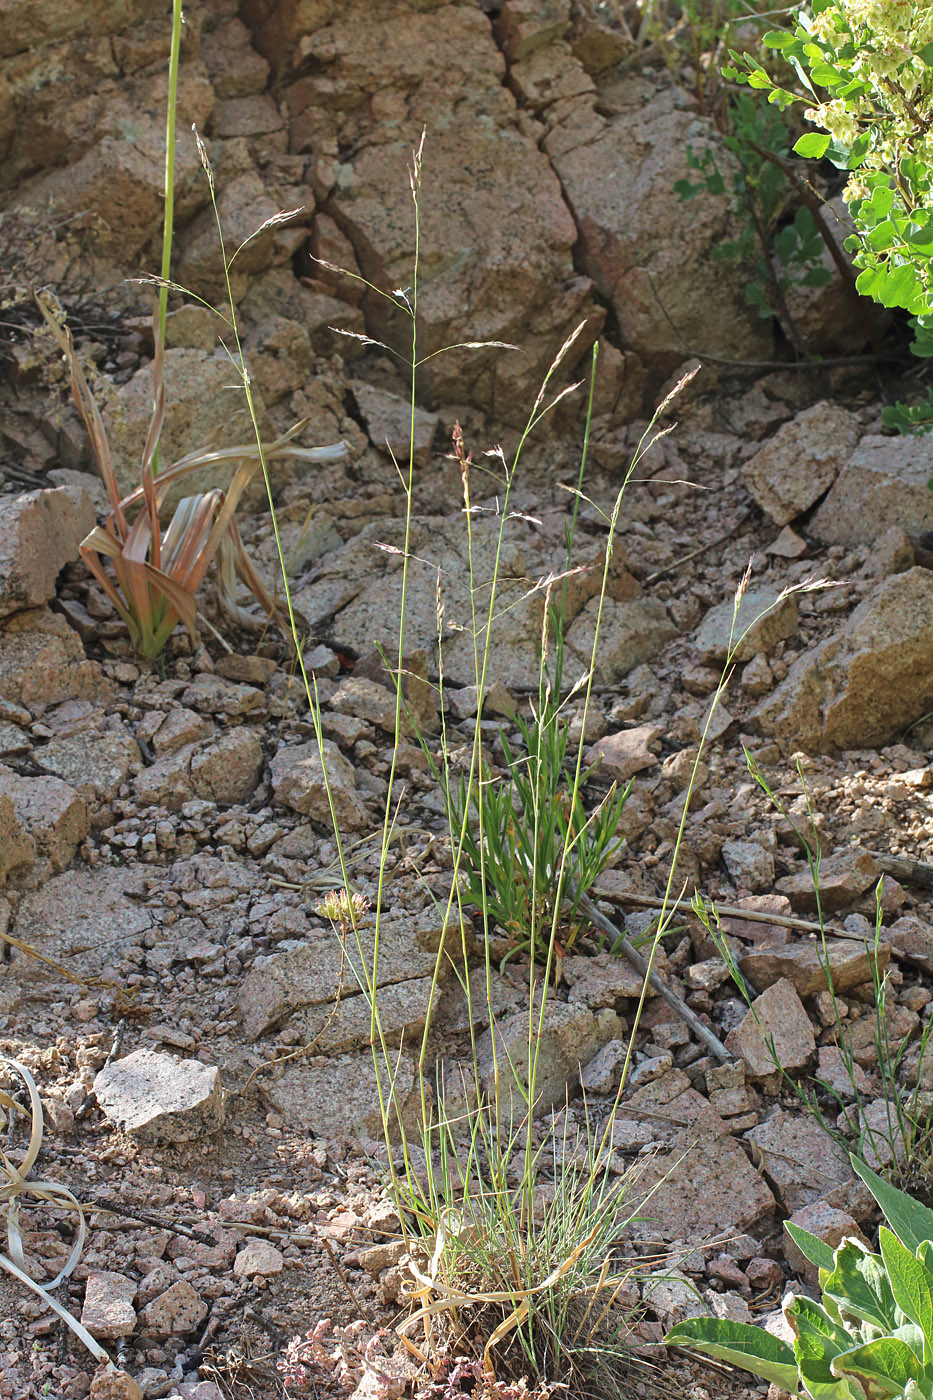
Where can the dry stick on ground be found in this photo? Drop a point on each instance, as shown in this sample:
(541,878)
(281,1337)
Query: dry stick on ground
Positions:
(903,868)
(752,916)
(701,549)
(640,964)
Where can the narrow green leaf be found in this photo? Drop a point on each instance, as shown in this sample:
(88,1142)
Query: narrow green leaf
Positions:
(739,1344)
(812,1247)
(910,1221)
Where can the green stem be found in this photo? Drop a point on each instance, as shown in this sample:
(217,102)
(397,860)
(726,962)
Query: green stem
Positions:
(168,222)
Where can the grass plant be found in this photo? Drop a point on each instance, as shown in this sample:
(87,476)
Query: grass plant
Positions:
(512,1223)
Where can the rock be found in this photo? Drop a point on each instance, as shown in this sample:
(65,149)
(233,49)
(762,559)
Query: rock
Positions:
(648,252)
(629,633)
(606,980)
(338,1026)
(804,964)
(672,1296)
(312,973)
(844,877)
(246,670)
(177,1312)
(180,728)
(94,762)
(484,279)
(114,1385)
(603,1074)
(388,421)
(829,1225)
(42,662)
(526,26)
(82,918)
(167,782)
(157,1099)
(39,534)
(650,1069)
(694,1144)
(847,1081)
(213,695)
(340,1097)
(298,780)
(366,700)
(750,865)
(234,67)
(865,684)
(757,676)
(762,620)
(883,483)
(801,1159)
(788,545)
(229,771)
(201,410)
(258,1259)
(625,753)
(911,938)
(55,817)
(776,1033)
(566,1040)
(108,1310)
(17,847)
(801,461)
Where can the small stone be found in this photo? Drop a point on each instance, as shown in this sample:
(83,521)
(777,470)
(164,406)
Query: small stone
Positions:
(805,964)
(114,1385)
(757,677)
(788,545)
(750,865)
(157,1099)
(177,1312)
(708,975)
(625,753)
(848,1081)
(912,938)
(258,1259)
(298,782)
(829,1225)
(108,1310)
(603,1074)
(775,1033)
(649,1069)
(764,1273)
(844,878)
(764,617)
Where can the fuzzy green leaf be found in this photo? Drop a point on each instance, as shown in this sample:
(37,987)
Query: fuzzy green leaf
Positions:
(812,1247)
(739,1344)
(911,1284)
(911,1221)
(883,1366)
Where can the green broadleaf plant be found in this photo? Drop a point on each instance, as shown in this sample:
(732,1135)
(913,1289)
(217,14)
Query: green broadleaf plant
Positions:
(871,1338)
(863,72)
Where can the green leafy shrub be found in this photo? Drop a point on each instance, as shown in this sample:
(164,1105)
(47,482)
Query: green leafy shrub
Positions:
(774,251)
(863,70)
(872,1336)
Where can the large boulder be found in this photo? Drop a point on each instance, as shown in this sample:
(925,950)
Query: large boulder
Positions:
(794,468)
(39,534)
(862,686)
(883,483)
(649,252)
(496,260)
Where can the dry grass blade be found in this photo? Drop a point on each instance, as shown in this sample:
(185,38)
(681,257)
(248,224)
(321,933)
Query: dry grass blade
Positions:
(155,577)
(16,1183)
